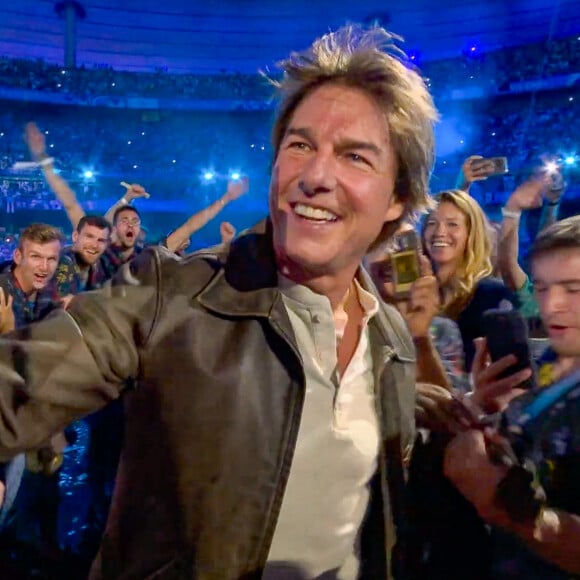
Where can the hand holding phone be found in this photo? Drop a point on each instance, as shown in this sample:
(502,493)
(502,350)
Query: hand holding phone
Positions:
(487,167)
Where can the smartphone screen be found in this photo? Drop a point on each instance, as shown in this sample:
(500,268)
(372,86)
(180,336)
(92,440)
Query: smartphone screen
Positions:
(499,164)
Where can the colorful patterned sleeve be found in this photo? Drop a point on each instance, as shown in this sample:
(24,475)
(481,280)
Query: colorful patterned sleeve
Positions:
(525,300)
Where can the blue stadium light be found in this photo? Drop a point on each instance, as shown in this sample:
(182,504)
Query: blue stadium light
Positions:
(88,174)
(570,160)
(208,175)
(234,175)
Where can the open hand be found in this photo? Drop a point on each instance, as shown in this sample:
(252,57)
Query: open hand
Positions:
(237,188)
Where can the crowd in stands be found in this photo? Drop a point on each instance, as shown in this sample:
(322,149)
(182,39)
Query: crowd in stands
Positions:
(147,317)
(493,69)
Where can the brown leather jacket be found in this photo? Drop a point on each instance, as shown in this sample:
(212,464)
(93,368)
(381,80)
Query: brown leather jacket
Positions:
(213,413)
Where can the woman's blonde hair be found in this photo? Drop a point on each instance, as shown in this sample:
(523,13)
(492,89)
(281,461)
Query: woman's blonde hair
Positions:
(370,60)
(476,262)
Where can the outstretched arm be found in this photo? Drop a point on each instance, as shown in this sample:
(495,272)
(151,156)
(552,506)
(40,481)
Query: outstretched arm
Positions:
(198,220)
(73,363)
(37,147)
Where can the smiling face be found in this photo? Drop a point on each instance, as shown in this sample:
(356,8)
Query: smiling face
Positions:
(556,277)
(446,234)
(36,264)
(91,242)
(332,187)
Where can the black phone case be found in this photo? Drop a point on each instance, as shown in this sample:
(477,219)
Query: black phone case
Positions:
(507,333)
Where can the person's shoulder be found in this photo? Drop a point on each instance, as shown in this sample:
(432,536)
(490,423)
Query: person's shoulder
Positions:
(491,285)
(493,290)
(160,267)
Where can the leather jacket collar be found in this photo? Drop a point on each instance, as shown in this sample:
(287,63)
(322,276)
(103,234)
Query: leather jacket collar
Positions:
(247,284)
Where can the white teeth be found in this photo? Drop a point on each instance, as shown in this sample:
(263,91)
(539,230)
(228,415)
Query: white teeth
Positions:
(440,245)
(314,213)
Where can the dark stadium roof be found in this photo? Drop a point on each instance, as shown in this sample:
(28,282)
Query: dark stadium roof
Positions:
(246,35)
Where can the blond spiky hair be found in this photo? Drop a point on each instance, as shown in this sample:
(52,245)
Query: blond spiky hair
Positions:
(370,60)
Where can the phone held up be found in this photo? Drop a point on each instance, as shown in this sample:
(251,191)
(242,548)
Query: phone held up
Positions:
(405,263)
(507,333)
(499,165)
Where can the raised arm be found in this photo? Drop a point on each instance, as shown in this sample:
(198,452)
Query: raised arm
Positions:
(526,196)
(474,168)
(37,147)
(134,191)
(197,221)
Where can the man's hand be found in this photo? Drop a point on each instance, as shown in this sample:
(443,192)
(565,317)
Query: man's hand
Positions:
(467,465)
(528,195)
(7,318)
(134,191)
(435,409)
(490,392)
(237,188)
(227,232)
(35,140)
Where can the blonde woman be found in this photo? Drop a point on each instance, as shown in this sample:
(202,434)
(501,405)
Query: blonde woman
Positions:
(457,238)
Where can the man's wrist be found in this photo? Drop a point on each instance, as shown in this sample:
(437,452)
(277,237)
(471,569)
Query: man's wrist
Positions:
(422,341)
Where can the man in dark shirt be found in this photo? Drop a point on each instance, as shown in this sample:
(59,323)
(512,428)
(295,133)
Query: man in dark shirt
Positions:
(90,241)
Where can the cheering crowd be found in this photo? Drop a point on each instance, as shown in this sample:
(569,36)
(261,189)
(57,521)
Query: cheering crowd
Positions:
(290,404)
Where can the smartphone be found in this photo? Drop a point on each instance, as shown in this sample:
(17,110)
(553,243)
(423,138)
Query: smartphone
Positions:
(499,164)
(405,263)
(507,333)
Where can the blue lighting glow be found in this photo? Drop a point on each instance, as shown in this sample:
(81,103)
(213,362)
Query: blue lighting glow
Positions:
(88,174)
(234,175)
(570,160)
(208,175)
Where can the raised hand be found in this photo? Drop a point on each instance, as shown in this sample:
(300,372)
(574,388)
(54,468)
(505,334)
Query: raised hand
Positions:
(476,168)
(35,140)
(528,195)
(237,188)
(135,191)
